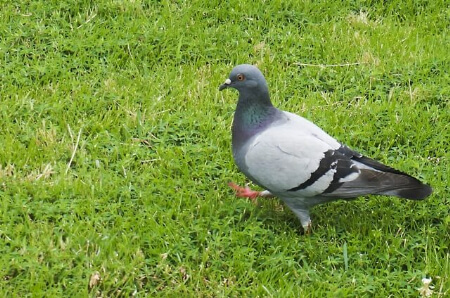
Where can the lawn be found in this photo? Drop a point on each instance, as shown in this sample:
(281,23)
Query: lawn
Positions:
(115,147)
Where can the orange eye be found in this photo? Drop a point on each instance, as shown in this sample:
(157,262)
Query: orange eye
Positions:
(240,77)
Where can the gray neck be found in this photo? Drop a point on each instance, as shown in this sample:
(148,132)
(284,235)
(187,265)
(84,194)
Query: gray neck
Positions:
(254,112)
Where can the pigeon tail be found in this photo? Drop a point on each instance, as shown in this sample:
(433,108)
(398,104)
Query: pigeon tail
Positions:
(403,185)
(383,183)
(415,190)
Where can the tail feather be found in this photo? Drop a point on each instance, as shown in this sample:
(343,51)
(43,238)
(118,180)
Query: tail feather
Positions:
(409,188)
(404,185)
(384,183)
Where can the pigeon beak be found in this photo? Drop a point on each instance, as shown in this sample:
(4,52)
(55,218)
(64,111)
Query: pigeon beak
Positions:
(225,85)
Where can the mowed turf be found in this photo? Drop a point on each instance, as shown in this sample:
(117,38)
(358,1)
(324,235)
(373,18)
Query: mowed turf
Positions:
(116,147)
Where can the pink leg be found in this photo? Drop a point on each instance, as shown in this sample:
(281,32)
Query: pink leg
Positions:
(246,192)
(308,229)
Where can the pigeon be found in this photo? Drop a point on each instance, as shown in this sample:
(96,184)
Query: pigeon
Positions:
(296,161)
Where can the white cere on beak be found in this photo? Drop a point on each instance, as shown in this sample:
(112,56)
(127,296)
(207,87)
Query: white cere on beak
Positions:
(227,82)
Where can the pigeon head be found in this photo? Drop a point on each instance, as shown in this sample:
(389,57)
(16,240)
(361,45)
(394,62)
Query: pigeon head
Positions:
(244,77)
(250,83)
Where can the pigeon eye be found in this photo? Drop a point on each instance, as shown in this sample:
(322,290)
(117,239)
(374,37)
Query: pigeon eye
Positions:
(240,77)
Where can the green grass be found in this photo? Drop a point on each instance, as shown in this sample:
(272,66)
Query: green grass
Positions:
(115,147)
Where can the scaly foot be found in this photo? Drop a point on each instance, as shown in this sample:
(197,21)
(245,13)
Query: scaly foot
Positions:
(245,192)
(307,228)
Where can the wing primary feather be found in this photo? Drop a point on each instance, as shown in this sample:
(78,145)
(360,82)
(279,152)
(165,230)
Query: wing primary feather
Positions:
(377,178)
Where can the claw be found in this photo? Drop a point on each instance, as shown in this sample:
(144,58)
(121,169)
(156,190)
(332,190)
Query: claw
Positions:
(307,228)
(245,192)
